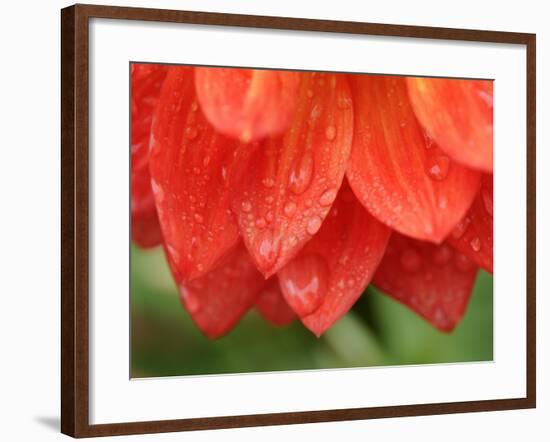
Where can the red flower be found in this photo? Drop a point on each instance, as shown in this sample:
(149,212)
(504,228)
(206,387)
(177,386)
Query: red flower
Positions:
(294,191)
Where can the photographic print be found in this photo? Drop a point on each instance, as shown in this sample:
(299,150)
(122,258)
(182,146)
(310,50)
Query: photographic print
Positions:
(293,220)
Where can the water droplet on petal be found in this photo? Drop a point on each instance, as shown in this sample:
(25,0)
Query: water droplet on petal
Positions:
(460,228)
(191,132)
(196,171)
(328,197)
(410,261)
(305,283)
(206,161)
(429,142)
(261,223)
(268,182)
(290,208)
(487,197)
(198,218)
(330,132)
(313,225)
(190,299)
(246,206)
(269,249)
(475,243)
(438,168)
(300,177)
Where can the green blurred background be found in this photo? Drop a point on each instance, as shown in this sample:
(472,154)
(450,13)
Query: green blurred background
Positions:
(377,331)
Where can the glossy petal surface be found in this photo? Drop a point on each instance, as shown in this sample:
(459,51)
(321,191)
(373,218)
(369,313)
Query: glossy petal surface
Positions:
(473,236)
(292,181)
(458,114)
(397,172)
(247,104)
(147,80)
(334,268)
(272,305)
(433,280)
(219,299)
(192,167)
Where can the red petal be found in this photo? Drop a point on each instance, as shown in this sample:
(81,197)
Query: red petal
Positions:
(458,114)
(396,171)
(219,299)
(323,282)
(247,104)
(432,280)
(191,168)
(145,224)
(473,236)
(273,306)
(292,181)
(147,80)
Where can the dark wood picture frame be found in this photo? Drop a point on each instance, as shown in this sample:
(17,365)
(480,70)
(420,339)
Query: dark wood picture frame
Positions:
(75,219)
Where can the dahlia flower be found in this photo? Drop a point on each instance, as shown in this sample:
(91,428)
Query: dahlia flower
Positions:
(293,191)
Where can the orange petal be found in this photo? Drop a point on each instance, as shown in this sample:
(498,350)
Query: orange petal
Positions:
(219,299)
(191,168)
(432,280)
(473,236)
(247,104)
(458,114)
(147,80)
(272,306)
(292,181)
(396,170)
(323,282)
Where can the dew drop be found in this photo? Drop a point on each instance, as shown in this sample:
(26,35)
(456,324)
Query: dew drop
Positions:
(304,283)
(487,197)
(190,299)
(460,229)
(157,191)
(475,244)
(269,249)
(439,168)
(330,132)
(269,199)
(206,161)
(261,223)
(246,206)
(198,218)
(196,171)
(301,175)
(310,93)
(315,114)
(313,225)
(429,142)
(328,197)
(410,261)
(191,132)
(290,208)
(194,106)
(268,182)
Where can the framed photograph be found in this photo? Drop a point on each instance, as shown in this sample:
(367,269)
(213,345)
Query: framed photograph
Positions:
(272,220)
